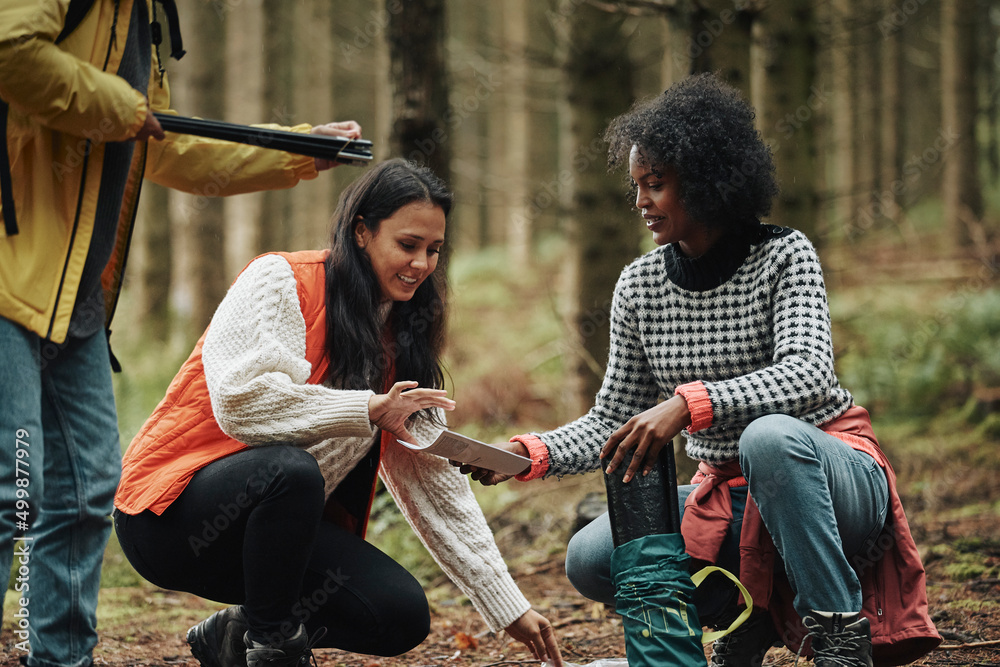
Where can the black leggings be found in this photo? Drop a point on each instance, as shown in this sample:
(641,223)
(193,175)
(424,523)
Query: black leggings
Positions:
(248,530)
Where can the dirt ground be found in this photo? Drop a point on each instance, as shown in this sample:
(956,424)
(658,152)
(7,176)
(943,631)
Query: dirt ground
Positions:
(967,613)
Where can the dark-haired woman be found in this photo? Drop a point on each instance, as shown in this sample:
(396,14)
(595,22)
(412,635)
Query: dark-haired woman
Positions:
(252,481)
(723,331)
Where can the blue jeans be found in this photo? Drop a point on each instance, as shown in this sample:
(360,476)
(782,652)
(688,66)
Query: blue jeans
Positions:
(60,461)
(820,500)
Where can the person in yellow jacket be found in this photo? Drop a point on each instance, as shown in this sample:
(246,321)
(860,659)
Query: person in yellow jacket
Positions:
(79,136)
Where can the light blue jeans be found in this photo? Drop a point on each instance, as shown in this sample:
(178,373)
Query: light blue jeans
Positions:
(821,502)
(60,457)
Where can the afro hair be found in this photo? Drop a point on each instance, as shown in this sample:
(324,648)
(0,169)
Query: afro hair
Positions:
(704,130)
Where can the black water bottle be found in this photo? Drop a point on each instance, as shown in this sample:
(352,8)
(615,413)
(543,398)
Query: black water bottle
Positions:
(646,505)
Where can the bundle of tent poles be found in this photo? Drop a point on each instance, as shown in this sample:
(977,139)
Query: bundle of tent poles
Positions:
(342,150)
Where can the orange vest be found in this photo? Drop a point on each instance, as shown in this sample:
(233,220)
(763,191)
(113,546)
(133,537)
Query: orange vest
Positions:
(182,436)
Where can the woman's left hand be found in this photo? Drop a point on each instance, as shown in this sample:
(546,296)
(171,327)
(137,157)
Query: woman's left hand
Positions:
(647,433)
(347,128)
(534,631)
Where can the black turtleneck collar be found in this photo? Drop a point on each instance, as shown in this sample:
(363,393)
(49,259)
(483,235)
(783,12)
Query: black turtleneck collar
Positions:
(721,262)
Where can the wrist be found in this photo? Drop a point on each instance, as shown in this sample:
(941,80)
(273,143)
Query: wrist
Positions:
(698,404)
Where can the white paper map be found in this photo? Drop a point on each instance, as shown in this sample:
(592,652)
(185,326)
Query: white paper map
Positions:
(458,447)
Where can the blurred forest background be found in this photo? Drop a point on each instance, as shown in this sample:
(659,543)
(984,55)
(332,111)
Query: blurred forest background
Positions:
(884,120)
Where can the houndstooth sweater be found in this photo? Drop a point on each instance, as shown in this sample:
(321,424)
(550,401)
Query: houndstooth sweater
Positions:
(741,332)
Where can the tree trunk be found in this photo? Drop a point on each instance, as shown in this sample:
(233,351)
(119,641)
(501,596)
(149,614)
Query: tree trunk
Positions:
(313,100)
(788,101)
(720,41)
(197,219)
(151,262)
(963,203)
(867,139)
(891,146)
(519,216)
(275,233)
(606,235)
(244,104)
(842,129)
(416,34)
(678,46)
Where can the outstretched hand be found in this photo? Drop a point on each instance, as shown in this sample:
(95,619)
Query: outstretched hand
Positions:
(347,128)
(491,477)
(392,411)
(534,631)
(646,433)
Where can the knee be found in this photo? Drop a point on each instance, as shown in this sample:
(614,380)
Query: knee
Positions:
(767,441)
(587,570)
(297,471)
(405,622)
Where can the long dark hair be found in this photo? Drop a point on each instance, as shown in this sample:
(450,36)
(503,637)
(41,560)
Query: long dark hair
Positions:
(359,353)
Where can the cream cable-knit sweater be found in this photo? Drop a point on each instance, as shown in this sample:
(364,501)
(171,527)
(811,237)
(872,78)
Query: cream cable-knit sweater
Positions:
(255,366)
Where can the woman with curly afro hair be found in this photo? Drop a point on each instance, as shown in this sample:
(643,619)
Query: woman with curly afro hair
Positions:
(723,332)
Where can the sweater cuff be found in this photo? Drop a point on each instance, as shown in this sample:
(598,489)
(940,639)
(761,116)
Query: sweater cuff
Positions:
(539,455)
(500,602)
(346,413)
(699,405)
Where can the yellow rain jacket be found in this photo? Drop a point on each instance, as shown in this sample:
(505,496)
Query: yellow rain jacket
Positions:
(65,101)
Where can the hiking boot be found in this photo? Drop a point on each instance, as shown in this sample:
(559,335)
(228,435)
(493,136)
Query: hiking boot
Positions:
(293,652)
(747,645)
(839,640)
(218,640)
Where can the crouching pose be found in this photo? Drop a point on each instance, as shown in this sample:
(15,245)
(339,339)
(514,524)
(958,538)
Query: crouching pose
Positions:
(723,331)
(252,481)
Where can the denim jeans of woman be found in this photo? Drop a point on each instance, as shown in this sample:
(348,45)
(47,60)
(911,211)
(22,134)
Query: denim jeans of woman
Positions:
(60,456)
(820,500)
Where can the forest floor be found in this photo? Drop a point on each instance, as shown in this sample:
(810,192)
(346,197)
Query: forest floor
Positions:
(143,625)
(947,479)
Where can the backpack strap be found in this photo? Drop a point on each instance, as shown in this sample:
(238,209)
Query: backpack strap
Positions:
(74,16)
(6,186)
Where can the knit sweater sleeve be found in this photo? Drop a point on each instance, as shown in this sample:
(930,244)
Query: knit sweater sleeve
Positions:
(629,388)
(438,503)
(257,372)
(802,376)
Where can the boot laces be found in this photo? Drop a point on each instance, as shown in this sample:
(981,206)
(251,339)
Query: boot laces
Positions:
(306,655)
(839,649)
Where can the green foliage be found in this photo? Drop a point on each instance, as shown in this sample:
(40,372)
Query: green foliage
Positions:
(920,361)
(506,354)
